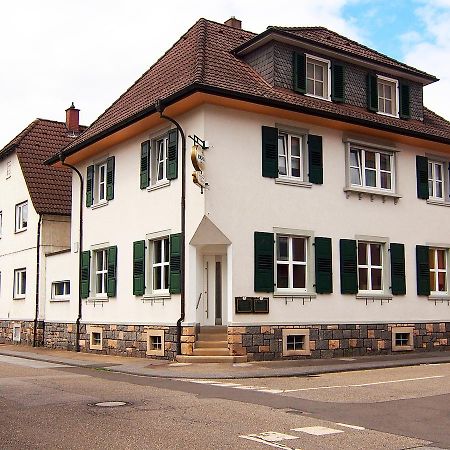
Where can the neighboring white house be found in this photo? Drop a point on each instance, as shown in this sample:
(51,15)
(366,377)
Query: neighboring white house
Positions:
(322,227)
(35,208)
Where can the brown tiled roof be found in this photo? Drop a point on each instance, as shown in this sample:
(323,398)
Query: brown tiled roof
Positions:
(323,37)
(204,60)
(50,188)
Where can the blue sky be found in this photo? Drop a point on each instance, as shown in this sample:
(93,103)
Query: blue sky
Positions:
(92,53)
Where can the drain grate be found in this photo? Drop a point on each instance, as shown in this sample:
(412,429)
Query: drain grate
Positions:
(109,404)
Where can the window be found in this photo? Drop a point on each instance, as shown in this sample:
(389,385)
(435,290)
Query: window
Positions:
(155,342)
(8,169)
(20,283)
(436,180)
(295,342)
(317,77)
(291,273)
(60,289)
(387,96)
(402,338)
(16,332)
(370,266)
(1,223)
(290,160)
(160,265)
(371,168)
(95,337)
(101,272)
(438,270)
(21,216)
(101,182)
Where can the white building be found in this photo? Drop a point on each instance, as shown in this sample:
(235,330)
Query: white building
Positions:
(322,230)
(35,208)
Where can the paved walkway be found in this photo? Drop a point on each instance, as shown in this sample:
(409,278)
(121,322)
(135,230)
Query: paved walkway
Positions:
(167,369)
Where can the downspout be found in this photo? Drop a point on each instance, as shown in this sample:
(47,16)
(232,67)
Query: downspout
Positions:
(38,264)
(160,109)
(80,249)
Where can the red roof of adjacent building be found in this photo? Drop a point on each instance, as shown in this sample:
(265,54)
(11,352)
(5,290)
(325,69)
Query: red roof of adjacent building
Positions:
(50,188)
(205,60)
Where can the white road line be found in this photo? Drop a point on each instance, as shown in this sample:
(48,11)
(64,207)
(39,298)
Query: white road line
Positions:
(353,427)
(263,439)
(317,430)
(363,384)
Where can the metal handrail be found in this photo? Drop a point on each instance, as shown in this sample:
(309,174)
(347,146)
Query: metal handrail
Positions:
(198,301)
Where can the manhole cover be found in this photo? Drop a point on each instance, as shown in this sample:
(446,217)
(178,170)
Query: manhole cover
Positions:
(109,404)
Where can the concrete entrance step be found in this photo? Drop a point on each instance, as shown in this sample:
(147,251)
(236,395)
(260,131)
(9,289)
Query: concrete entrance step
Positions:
(211,351)
(213,329)
(211,344)
(211,359)
(211,337)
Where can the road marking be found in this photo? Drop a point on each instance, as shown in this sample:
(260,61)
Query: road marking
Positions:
(317,431)
(272,439)
(353,427)
(375,383)
(33,364)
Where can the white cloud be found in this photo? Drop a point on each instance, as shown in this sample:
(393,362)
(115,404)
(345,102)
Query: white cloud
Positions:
(429,50)
(54,52)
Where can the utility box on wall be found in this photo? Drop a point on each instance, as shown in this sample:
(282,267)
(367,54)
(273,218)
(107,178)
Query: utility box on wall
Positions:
(248,305)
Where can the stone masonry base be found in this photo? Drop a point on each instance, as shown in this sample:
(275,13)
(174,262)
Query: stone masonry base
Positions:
(265,342)
(26,332)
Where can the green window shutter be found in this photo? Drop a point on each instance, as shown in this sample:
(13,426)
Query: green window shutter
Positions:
(337,82)
(372,92)
(422,270)
(315,159)
(405,108)
(269,152)
(422,177)
(323,266)
(85,273)
(111,287)
(264,262)
(110,166)
(90,186)
(172,155)
(349,267)
(398,277)
(299,72)
(145,159)
(138,267)
(175,264)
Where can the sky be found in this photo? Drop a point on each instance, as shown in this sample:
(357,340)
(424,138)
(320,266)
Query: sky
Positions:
(55,52)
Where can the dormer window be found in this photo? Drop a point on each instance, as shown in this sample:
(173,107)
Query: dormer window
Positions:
(387,96)
(317,77)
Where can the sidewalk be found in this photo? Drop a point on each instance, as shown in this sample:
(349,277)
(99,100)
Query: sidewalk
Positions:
(167,369)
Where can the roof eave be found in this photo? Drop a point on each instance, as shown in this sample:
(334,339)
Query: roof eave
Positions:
(271,34)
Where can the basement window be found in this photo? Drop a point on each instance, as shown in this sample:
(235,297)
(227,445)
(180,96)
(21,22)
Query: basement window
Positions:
(96,342)
(155,342)
(402,339)
(16,333)
(295,342)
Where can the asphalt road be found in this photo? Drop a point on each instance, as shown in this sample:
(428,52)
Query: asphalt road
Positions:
(52,406)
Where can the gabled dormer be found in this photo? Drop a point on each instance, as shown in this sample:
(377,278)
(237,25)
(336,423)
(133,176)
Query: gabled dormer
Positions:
(321,64)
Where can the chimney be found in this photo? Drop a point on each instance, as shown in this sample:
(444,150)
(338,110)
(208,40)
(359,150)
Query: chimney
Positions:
(233,22)
(73,119)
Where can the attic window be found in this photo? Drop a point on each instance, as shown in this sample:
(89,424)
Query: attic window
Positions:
(318,77)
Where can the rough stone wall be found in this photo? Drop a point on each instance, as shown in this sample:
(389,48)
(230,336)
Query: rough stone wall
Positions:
(274,61)
(26,332)
(263,343)
(60,336)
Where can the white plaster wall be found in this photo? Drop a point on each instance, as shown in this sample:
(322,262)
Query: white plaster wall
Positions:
(17,250)
(240,201)
(129,217)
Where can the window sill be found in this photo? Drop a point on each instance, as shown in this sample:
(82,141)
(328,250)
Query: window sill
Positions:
(165,295)
(432,201)
(293,182)
(20,231)
(434,297)
(100,204)
(294,294)
(327,99)
(360,191)
(19,298)
(396,116)
(97,300)
(381,297)
(59,300)
(159,185)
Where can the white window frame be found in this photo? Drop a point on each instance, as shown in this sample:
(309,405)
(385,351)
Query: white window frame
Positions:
(291,263)
(395,101)
(288,157)
(91,330)
(286,332)
(369,266)
(103,273)
(164,265)
(151,350)
(21,216)
(8,169)
(433,289)
(16,337)
(433,181)
(20,287)
(156,161)
(326,64)
(100,183)
(403,330)
(66,290)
